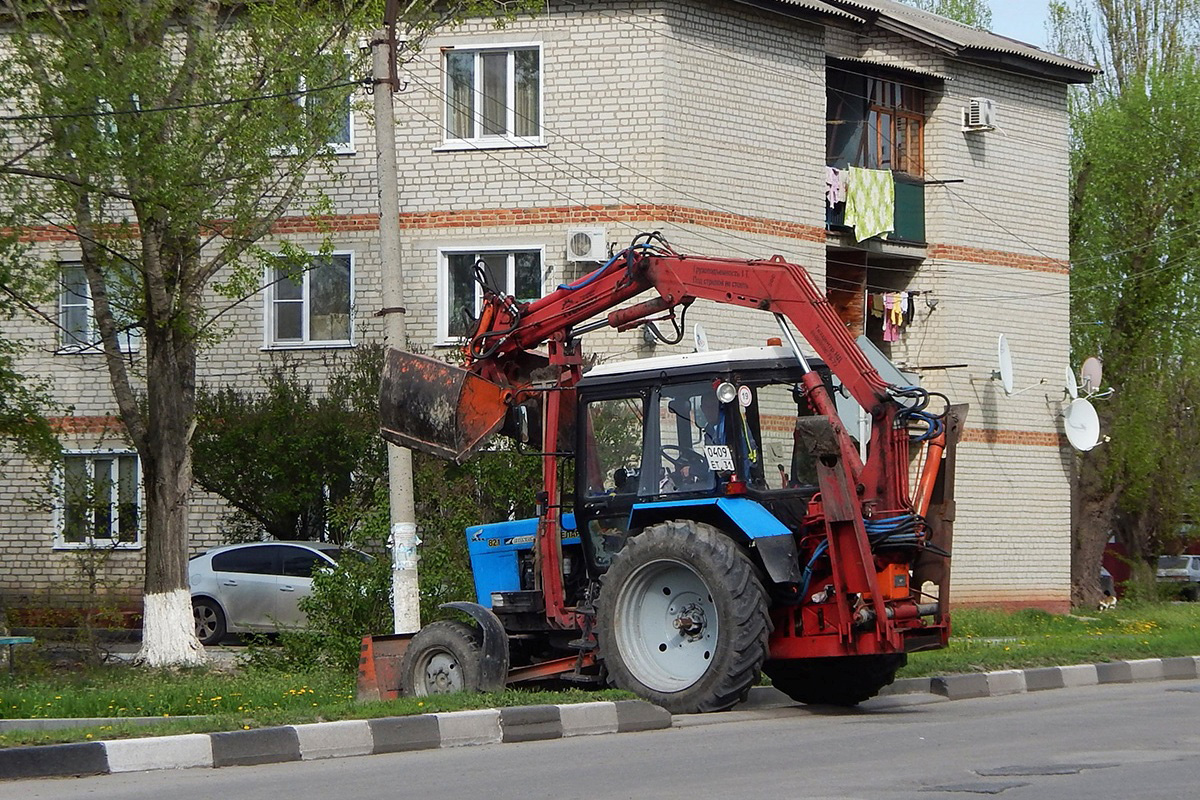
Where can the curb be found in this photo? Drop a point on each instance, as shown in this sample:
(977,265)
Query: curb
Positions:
(517,724)
(332,739)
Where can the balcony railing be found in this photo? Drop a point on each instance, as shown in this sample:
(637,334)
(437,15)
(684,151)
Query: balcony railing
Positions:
(909,214)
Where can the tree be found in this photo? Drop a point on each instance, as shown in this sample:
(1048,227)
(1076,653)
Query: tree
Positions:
(23,402)
(166,137)
(1134,252)
(976,13)
(286,457)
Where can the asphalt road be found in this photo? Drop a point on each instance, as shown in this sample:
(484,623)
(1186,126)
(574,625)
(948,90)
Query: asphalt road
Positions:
(1116,741)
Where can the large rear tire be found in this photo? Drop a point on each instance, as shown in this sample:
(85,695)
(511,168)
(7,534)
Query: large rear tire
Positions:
(836,681)
(682,618)
(443,657)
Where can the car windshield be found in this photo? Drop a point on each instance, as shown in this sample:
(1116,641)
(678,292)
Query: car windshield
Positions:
(1173,562)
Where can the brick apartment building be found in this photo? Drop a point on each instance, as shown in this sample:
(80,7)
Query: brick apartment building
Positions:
(714,122)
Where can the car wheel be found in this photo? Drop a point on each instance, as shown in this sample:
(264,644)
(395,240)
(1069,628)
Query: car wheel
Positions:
(210,621)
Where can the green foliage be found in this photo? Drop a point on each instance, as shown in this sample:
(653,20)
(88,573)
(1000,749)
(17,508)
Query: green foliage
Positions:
(976,13)
(1135,249)
(492,487)
(24,401)
(348,602)
(287,456)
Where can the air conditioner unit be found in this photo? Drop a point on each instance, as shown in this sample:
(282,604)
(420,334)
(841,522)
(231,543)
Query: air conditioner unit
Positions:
(586,244)
(980,114)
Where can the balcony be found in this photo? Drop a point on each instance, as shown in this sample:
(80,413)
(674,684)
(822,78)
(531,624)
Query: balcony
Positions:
(909,214)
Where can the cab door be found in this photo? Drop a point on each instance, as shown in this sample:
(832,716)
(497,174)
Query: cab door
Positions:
(608,473)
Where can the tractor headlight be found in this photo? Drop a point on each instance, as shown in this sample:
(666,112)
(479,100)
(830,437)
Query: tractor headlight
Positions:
(726,392)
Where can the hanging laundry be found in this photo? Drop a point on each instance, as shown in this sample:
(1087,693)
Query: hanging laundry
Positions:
(910,307)
(890,332)
(899,299)
(870,202)
(876,305)
(835,186)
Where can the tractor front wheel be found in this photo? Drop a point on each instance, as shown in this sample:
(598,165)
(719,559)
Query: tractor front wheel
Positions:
(835,681)
(682,618)
(443,657)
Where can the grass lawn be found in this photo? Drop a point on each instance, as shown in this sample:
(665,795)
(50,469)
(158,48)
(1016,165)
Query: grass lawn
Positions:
(204,701)
(983,641)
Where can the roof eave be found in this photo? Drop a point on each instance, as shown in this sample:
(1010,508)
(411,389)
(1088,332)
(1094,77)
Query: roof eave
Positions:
(802,11)
(1025,65)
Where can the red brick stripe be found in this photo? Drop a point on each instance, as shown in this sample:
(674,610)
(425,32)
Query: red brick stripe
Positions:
(975,255)
(599,215)
(1028,438)
(105,424)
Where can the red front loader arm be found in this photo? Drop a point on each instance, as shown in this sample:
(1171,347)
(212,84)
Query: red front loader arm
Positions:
(451,411)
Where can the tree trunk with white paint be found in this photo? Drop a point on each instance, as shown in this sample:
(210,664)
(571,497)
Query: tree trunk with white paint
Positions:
(168,630)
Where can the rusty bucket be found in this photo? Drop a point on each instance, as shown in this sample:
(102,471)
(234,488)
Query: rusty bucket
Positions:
(438,408)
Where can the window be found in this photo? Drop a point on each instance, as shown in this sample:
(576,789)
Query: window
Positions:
(253,560)
(494,96)
(100,500)
(513,272)
(301,563)
(332,104)
(875,122)
(76,321)
(313,308)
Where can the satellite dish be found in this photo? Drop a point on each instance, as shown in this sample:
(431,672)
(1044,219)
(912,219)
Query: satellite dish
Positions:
(1072,385)
(700,338)
(1004,357)
(1092,372)
(1082,424)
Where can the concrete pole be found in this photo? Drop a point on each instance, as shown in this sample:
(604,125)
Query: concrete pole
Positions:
(406,598)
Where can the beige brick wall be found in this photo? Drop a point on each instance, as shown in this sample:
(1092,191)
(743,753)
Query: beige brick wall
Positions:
(706,120)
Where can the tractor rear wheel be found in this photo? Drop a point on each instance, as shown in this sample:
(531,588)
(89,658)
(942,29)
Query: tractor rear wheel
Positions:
(835,681)
(682,618)
(443,657)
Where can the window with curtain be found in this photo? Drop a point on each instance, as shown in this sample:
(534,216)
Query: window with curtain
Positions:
(513,272)
(100,500)
(312,308)
(874,121)
(493,96)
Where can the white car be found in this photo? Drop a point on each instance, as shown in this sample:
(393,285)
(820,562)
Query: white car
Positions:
(255,587)
(1183,570)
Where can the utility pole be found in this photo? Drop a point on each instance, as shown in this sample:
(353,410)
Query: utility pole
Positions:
(406,598)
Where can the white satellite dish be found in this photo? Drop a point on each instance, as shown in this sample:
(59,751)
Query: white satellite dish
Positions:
(1004,357)
(700,338)
(1072,385)
(1092,373)
(1082,424)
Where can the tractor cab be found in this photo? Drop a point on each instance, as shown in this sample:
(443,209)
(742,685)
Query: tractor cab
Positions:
(660,434)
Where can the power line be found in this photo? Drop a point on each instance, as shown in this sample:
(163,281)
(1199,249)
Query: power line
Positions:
(114,112)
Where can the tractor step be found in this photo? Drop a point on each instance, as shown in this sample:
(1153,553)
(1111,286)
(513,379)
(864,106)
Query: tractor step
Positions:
(580,678)
(584,645)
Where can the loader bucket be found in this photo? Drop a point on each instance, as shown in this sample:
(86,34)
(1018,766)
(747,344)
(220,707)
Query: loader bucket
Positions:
(438,408)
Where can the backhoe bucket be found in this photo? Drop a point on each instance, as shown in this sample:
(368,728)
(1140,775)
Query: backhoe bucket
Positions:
(438,408)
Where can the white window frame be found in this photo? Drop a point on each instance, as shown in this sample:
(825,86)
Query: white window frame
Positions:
(60,509)
(443,274)
(490,142)
(306,341)
(129,341)
(341,148)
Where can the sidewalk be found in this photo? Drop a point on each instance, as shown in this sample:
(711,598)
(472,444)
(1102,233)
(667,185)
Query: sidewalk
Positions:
(522,724)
